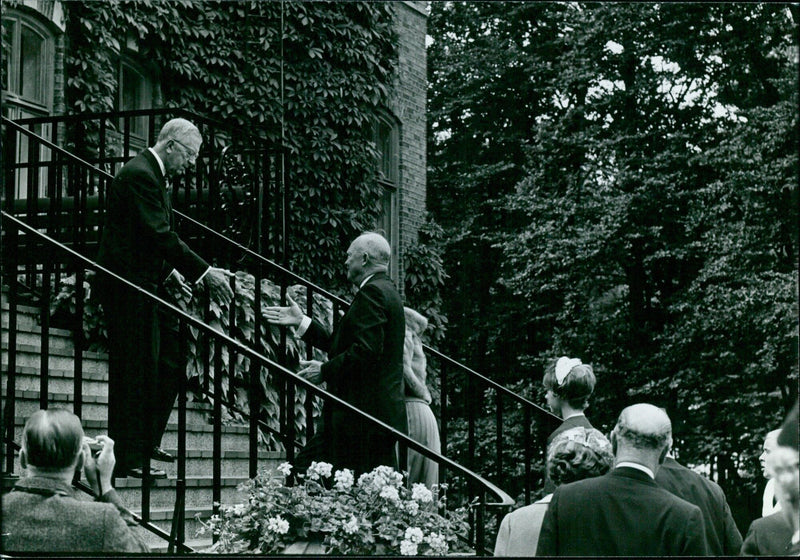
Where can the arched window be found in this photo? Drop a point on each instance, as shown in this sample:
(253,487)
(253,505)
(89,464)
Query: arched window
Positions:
(28,52)
(28,77)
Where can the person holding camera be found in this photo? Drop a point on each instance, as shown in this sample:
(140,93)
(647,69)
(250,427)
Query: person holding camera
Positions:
(43,513)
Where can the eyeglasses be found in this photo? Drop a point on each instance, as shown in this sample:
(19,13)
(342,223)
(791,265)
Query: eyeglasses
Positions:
(192,153)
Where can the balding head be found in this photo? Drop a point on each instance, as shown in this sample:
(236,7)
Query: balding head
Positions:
(368,254)
(52,440)
(643,435)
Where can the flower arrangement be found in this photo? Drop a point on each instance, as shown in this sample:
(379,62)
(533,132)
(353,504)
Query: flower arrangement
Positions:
(376,514)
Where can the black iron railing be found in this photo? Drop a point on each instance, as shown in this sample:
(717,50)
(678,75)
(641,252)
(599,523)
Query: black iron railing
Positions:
(471,406)
(14,229)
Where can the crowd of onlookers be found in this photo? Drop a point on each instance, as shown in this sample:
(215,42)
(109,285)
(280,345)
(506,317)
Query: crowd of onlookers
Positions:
(627,496)
(624,495)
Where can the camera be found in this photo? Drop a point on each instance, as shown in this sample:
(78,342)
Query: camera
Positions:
(95,446)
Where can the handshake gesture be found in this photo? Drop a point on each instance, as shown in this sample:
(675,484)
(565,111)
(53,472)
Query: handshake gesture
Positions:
(292,316)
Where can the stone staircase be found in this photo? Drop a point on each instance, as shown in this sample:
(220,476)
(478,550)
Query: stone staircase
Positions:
(235,439)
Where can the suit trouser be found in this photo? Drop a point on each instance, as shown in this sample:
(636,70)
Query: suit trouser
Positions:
(143,374)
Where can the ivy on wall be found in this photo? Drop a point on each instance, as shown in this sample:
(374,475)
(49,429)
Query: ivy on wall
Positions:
(318,91)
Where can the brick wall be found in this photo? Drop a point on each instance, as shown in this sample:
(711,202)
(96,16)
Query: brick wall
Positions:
(409,106)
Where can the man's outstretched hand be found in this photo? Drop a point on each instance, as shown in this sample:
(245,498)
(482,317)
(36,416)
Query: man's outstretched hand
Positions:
(290,315)
(217,280)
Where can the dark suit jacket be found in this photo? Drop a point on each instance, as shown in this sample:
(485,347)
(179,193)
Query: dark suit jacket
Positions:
(622,513)
(365,366)
(768,536)
(43,515)
(571,422)
(722,536)
(138,236)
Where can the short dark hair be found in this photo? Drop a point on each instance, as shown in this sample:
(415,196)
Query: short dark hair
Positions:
(578,453)
(52,439)
(576,387)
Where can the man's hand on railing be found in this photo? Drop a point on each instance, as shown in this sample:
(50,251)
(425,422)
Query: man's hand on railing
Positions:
(311,371)
(218,284)
(290,316)
(98,470)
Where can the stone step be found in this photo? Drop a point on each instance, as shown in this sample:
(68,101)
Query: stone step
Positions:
(162,492)
(33,337)
(28,356)
(31,343)
(198,436)
(27,378)
(95,407)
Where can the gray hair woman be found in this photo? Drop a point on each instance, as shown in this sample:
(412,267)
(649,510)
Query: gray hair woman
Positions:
(573,455)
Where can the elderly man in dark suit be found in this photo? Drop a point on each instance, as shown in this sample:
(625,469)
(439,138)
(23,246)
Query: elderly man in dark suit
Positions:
(139,243)
(625,513)
(723,537)
(42,514)
(365,359)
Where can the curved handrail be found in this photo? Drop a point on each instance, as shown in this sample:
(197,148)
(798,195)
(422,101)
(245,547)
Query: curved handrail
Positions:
(505,499)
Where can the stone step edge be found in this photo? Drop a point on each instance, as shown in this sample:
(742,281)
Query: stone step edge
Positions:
(56,351)
(195,481)
(227,454)
(55,332)
(58,396)
(19,421)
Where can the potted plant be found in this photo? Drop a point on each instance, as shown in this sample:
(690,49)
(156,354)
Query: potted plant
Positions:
(376,514)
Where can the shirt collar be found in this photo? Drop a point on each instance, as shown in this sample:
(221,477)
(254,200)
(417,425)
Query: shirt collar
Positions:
(160,163)
(636,466)
(45,484)
(573,415)
(365,280)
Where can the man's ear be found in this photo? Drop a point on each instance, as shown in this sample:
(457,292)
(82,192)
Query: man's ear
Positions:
(23,459)
(614,442)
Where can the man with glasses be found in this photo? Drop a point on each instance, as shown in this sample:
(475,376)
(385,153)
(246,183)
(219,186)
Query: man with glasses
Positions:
(140,244)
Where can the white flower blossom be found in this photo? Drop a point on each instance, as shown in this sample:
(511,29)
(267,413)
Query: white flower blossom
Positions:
(390,493)
(408,548)
(317,470)
(351,526)
(414,535)
(438,543)
(412,507)
(344,480)
(285,468)
(278,525)
(238,510)
(420,493)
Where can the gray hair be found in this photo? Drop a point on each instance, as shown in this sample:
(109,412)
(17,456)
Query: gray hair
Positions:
(644,426)
(376,246)
(177,129)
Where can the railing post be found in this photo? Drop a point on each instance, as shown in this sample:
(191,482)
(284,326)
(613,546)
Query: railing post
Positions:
(10,167)
(527,453)
(499,433)
(254,395)
(12,238)
(443,416)
(216,483)
(44,321)
(77,404)
(177,535)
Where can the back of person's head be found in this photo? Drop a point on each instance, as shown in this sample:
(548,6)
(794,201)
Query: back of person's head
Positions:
(52,439)
(571,381)
(578,453)
(376,246)
(177,129)
(643,428)
(790,430)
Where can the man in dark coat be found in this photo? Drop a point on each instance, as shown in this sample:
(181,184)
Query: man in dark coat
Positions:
(625,513)
(365,359)
(768,536)
(42,512)
(139,243)
(723,537)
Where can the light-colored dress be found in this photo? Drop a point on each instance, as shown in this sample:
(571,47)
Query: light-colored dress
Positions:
(519,530)
(422,425)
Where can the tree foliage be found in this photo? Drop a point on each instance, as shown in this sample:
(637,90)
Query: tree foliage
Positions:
(627,175)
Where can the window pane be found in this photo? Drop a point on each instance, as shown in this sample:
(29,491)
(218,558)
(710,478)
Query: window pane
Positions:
(8,41)
(31,74)
(135,95)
